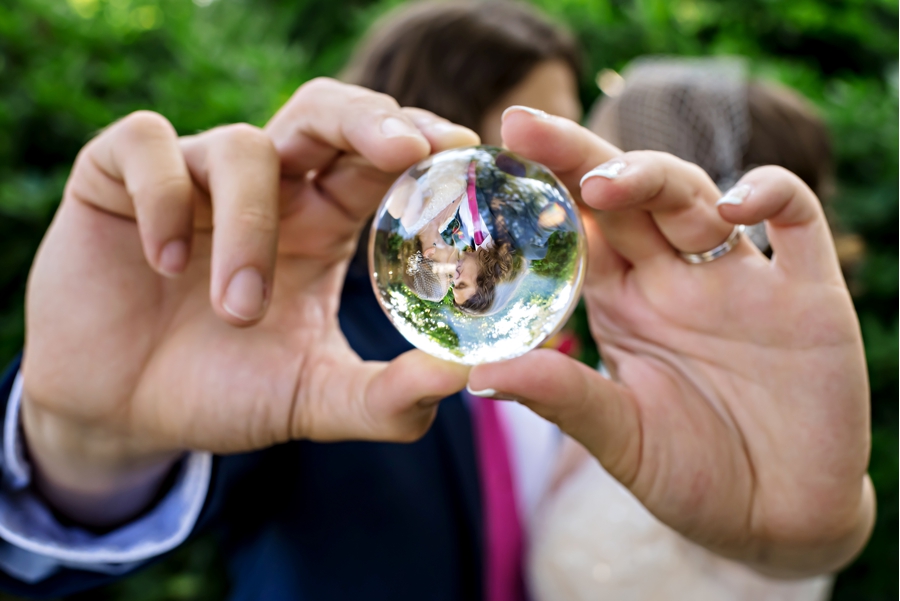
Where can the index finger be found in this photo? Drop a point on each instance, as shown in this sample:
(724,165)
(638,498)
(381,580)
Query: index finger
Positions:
(566,148)
(325,118)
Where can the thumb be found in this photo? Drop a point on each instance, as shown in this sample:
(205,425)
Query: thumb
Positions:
(592,409)
(402,396)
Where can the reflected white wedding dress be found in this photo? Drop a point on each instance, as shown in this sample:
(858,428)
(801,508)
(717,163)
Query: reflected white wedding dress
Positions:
(593,541)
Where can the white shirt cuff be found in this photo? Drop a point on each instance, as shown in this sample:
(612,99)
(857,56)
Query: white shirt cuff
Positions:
(35,544)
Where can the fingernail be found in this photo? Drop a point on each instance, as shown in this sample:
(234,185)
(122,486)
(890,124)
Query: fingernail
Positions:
(524,109)
(735,196)
(610,170)
(173,258)
(445,127)
(393,127)
(487,393)
(245,296)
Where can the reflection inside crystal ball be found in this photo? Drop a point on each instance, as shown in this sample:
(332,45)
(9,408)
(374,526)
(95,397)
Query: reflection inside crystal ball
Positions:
(477,254)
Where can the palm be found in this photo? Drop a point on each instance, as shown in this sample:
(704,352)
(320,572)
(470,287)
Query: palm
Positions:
(737,411)
(188,376)
(724,389)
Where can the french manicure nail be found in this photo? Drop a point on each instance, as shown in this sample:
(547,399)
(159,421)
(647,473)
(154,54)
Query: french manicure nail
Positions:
(610,170)
(173,258)
(524,109)
(245,296)
(393,127)
(735,196)
(487,393)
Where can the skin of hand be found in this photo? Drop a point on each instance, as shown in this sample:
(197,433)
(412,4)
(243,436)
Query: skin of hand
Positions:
(738,410)
(186,297)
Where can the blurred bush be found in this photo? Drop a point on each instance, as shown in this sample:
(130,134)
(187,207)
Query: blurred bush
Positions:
(68,68)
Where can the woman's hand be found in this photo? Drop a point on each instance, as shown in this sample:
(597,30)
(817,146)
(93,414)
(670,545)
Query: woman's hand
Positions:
(738,410)
(186,296)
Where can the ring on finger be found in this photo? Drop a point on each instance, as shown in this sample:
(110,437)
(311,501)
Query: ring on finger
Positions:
(715,253)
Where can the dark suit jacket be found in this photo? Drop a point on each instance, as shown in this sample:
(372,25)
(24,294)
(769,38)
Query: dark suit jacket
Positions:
(341,521)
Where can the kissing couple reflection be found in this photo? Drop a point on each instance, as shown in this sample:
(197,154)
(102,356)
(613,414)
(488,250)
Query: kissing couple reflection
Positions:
(469,232)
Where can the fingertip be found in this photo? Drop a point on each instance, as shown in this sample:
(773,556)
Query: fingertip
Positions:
(534,134)
(173,258)
(514,378)
(521,110)
(246,297)
(441,133)
(402,144)
(405,393)
(444,136)
(446,376)
(394,126)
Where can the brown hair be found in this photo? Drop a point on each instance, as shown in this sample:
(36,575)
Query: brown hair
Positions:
(786,130)
(495,265)
(457,59)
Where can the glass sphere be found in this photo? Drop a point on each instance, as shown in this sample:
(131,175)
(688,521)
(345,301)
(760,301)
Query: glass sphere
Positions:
(477,254)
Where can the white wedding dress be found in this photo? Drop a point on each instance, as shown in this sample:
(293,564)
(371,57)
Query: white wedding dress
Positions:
(418,203)
(593,541)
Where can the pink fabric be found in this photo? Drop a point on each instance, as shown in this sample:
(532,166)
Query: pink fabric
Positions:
(502,527)
(477,222)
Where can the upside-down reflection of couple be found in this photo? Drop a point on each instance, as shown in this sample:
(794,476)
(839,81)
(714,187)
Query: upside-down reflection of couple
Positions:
(449,244)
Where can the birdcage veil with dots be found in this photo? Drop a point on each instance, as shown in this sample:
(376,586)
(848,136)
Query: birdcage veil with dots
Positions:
(694,108)
(423,280)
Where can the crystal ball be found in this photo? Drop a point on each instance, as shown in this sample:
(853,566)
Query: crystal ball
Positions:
(477,254)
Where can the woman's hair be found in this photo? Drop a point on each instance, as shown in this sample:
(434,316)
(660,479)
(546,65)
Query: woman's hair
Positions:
(457,59)
(786,130)
(496,264)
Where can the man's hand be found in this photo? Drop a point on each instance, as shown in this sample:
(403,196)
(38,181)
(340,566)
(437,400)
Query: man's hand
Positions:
(738,408)
(186,297)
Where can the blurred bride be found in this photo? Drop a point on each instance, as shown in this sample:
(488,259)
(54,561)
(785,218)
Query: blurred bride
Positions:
(592,540)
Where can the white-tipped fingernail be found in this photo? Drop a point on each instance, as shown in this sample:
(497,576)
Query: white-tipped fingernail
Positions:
(610,170)
(735,196)
(393,127)
(245,297)
(523,109)
(487,393)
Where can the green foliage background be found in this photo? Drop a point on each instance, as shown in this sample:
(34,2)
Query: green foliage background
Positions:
(68,68)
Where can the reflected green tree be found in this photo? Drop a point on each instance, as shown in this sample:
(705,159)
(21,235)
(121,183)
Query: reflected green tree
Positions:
(429,317)
(562,248)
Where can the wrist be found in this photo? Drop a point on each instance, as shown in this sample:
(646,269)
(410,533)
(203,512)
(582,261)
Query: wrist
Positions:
(835,547)
(90,474)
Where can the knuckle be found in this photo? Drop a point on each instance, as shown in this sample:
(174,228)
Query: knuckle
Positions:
(319,85)
(245,135)
(697,172)
(141,125)
(368,99)
(242,140)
